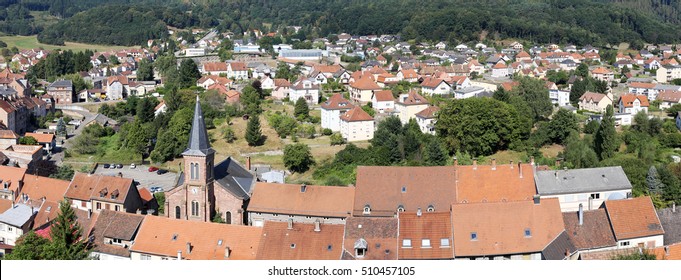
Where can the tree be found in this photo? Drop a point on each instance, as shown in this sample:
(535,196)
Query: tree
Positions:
(655,185)
(561,125)
(336,139)
(250,100)
(479,126)
(28,140)
(228,134)
(536,96)
(436,155)
(301,110)
(61,127)
(145,109)
(298,158)
(642,255)
(591,127)
(64,172)
(29,246)
(253,135)
(136,138)
(66,234)
(578,153)
(145,72)
(189,73)
(582,70)
(605,140)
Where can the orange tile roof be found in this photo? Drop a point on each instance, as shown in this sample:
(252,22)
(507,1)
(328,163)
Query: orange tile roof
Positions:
(165,237)
(432,83)
(356,114)
(321,201)
(37,187)
(282,83)
(409,74)
(380,235)
(500,228)
(669,252)
(669,96)
(428,113)
(337,102)
(500,65)
(121,79)
(384,95)
(89,186)
(238,66)
(601,70)
(8,134)
(215,67)
(12,175)
(145,194)
(365,83)
(301,242)
(41,137)
(641,85)
(433,226)
(628,100)
(485,184)
(632,218)
(48,211)
(508,86)
(327,68)
(5,204)
(412,98)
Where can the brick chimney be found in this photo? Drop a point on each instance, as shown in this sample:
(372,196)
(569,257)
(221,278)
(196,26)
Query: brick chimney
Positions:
(494,164)
(456,161)
(475,164)
(248,163)
(189,248)
(511,164)
(581,214)
(520,169)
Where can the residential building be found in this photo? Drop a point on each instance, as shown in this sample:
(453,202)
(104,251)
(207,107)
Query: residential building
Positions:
(237,71)
(118,87)
(603,74)
(114,234)
(62,91)
(299,204)
(204,188)
(305,89)
(92,192)
(160,238)
(501,70)
(47,140)
(425,235)
(632,104)
(432,86)
(595,102)
(383,101)
(426,119)
(362,89)
(469,92)
(356,125)
(370,238)
(24,156)
(282,88)
(667,73)
(408,75)
(670,218)
(300,241)
(589,230)
(298,54)
(332,109)
(589,187)
(408,104)
(669,98)
(14,222)
(635,223)
(8,138)
(215,68)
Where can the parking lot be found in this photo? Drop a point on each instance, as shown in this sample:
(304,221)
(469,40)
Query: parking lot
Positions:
(142,175)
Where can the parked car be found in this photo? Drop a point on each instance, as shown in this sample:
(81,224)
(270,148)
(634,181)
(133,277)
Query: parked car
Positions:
(132,166)
(113,166)
(119,166)
(106,166)
(153,168)
(156,189)
(161,171)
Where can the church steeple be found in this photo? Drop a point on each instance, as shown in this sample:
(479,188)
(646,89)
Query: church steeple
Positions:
(199,144)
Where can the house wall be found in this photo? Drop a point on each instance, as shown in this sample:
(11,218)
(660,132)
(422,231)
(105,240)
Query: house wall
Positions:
(81,205)
(423,125)
(226,202)
(280,92)
(115,91)
(258,218)
(133,201)
(361,95)
(10,233)
(311,96)
(331,119)
(136,256)
(383,105)
(99,205)
(357,131)
(647,242)
(183,198)
(408,112)
(570,202)
(107,257)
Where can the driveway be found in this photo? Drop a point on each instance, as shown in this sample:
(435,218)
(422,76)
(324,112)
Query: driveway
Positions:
(142,175)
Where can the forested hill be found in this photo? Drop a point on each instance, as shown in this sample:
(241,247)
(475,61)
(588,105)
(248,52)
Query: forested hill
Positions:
(581,22)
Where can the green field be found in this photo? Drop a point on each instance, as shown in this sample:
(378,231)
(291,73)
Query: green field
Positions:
(31,42)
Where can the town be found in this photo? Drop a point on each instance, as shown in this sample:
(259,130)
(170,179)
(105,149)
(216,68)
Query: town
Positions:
(213,145)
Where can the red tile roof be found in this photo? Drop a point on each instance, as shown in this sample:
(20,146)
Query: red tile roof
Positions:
(594,233)
(411,98)
(11,175)
(669,96)
(321,201)
(37,187)
(628,100)
(215,67)
(380,235)
(337,102)
(430,226)
(384,96)
(633,218)
(484,183)
(432,83)
(641,85)
(596,97)
(301,242)
(601,70)
(41,137)
(365,83)
(356,114)
(669,252)
(8,134)
(429,112)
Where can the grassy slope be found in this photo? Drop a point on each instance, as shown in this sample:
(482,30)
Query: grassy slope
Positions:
(31,42)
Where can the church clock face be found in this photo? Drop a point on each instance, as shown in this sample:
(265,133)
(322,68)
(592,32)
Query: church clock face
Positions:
(195,190)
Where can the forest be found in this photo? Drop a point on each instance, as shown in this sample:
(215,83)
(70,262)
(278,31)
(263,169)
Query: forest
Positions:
(581,22)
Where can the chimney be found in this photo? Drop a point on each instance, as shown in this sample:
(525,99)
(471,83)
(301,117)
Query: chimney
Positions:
(419,212)
(666,250)
(303,187)
(537,199)
(674,207)
(456,161)
(89,213)
(520,169)
(494,164)
(511,164)
(179,255)
(532,160)
(317,226)
(591,203)
(475,164)
(227,249)
(581,214)
(189,248)
(248,163)
(290,224)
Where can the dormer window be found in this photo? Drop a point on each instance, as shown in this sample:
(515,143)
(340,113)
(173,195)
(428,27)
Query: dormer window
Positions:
(114,194)
(103,192)
(404,189)
(528,233)
(430,208)
(400,208)
(367,209)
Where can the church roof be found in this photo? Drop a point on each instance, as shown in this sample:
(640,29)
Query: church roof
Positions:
(234,178)
(199,144)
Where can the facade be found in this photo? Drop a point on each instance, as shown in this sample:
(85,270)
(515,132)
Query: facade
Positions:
(362,89)
(408,104)
(370,239)
(383,101)
(332,109)
(305,89)
(214,68)
(282,88)
(92,192)
(114,234)
(118,87)
(667,73)
(433,86)
(15,222)
(632,104)
(356,125)
(595,102)
(635,223)
(62,91)
(603,74)
(426,119)
(425,236)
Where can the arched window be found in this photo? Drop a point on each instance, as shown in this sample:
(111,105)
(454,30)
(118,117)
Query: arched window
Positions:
(431,208)
(195,208)
(191,170)
(196,166)
(228,217)
(177,212)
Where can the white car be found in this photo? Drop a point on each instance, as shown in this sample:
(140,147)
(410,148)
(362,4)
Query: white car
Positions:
(132,166)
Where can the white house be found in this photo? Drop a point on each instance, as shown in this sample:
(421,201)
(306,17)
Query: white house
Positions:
(632,104)
(501,70)
(306,89)
(559,97)
(14,222)
(267,83)
(635,222)
(426,119)
(383,101)
(468,92)
(356,125)
(237,71)
(408,104)
(332,109)
(432,86)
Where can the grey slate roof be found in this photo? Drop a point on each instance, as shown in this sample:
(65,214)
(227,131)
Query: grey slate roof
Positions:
(61,83)
(199,144)
(558,247)
(671,223)
(234,178)
(17,216)
(551,182)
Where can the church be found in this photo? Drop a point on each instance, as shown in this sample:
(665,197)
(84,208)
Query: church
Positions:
(205,190)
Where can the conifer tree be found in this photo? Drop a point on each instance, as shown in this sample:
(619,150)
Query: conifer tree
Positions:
(253,134)
(605,140)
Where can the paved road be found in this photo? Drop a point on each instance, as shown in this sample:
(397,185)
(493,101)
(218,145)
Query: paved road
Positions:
(142,175)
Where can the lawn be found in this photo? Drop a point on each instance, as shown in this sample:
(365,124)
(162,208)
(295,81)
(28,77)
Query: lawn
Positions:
(31,42)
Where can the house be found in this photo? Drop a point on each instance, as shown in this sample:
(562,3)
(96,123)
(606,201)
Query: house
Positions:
(669,98)
(383,101)
(214,68)
(237,71)
(634,222)
(425,235)
(670,218)
(603,74)
(118,87)
(332,109)
(92,192)
(114,234)
(300,241)
(362,89)
(161,108)
(47,140)
(517,230)
(8,138)
(342,76)
(209,80)
(408,104)
(408,75)
(516,45)
(305,89)
(426,119)
(370,238)
(523,56)
(204,188)
(62,91)
(232,96)
(160,238)
(670,252)
(595,102)
(432,86)
(12,182)
(667,73)
(267,83)
(281,90)
(501,70)
(589,230)
(24,156)
(469,92)
(356,125)
(589,187)
(272,202)
(642,89)
(632,104)
(16,221)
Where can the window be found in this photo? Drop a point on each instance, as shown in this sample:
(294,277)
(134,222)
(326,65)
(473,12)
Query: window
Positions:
(228,217)
(118,208)
(404,189)
(528,233)
(624,243)
(2,227)
(195,208)
(177,212)
(10,228)
(431,208)
(116,241)
(595,195)
(360,252)
(400,208)
(474,236)
(367,209)
(406,243)
(425,243)
(145,257)
(99,206)
(444,242)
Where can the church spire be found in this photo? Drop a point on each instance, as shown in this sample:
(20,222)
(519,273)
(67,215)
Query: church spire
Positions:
(199,144)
